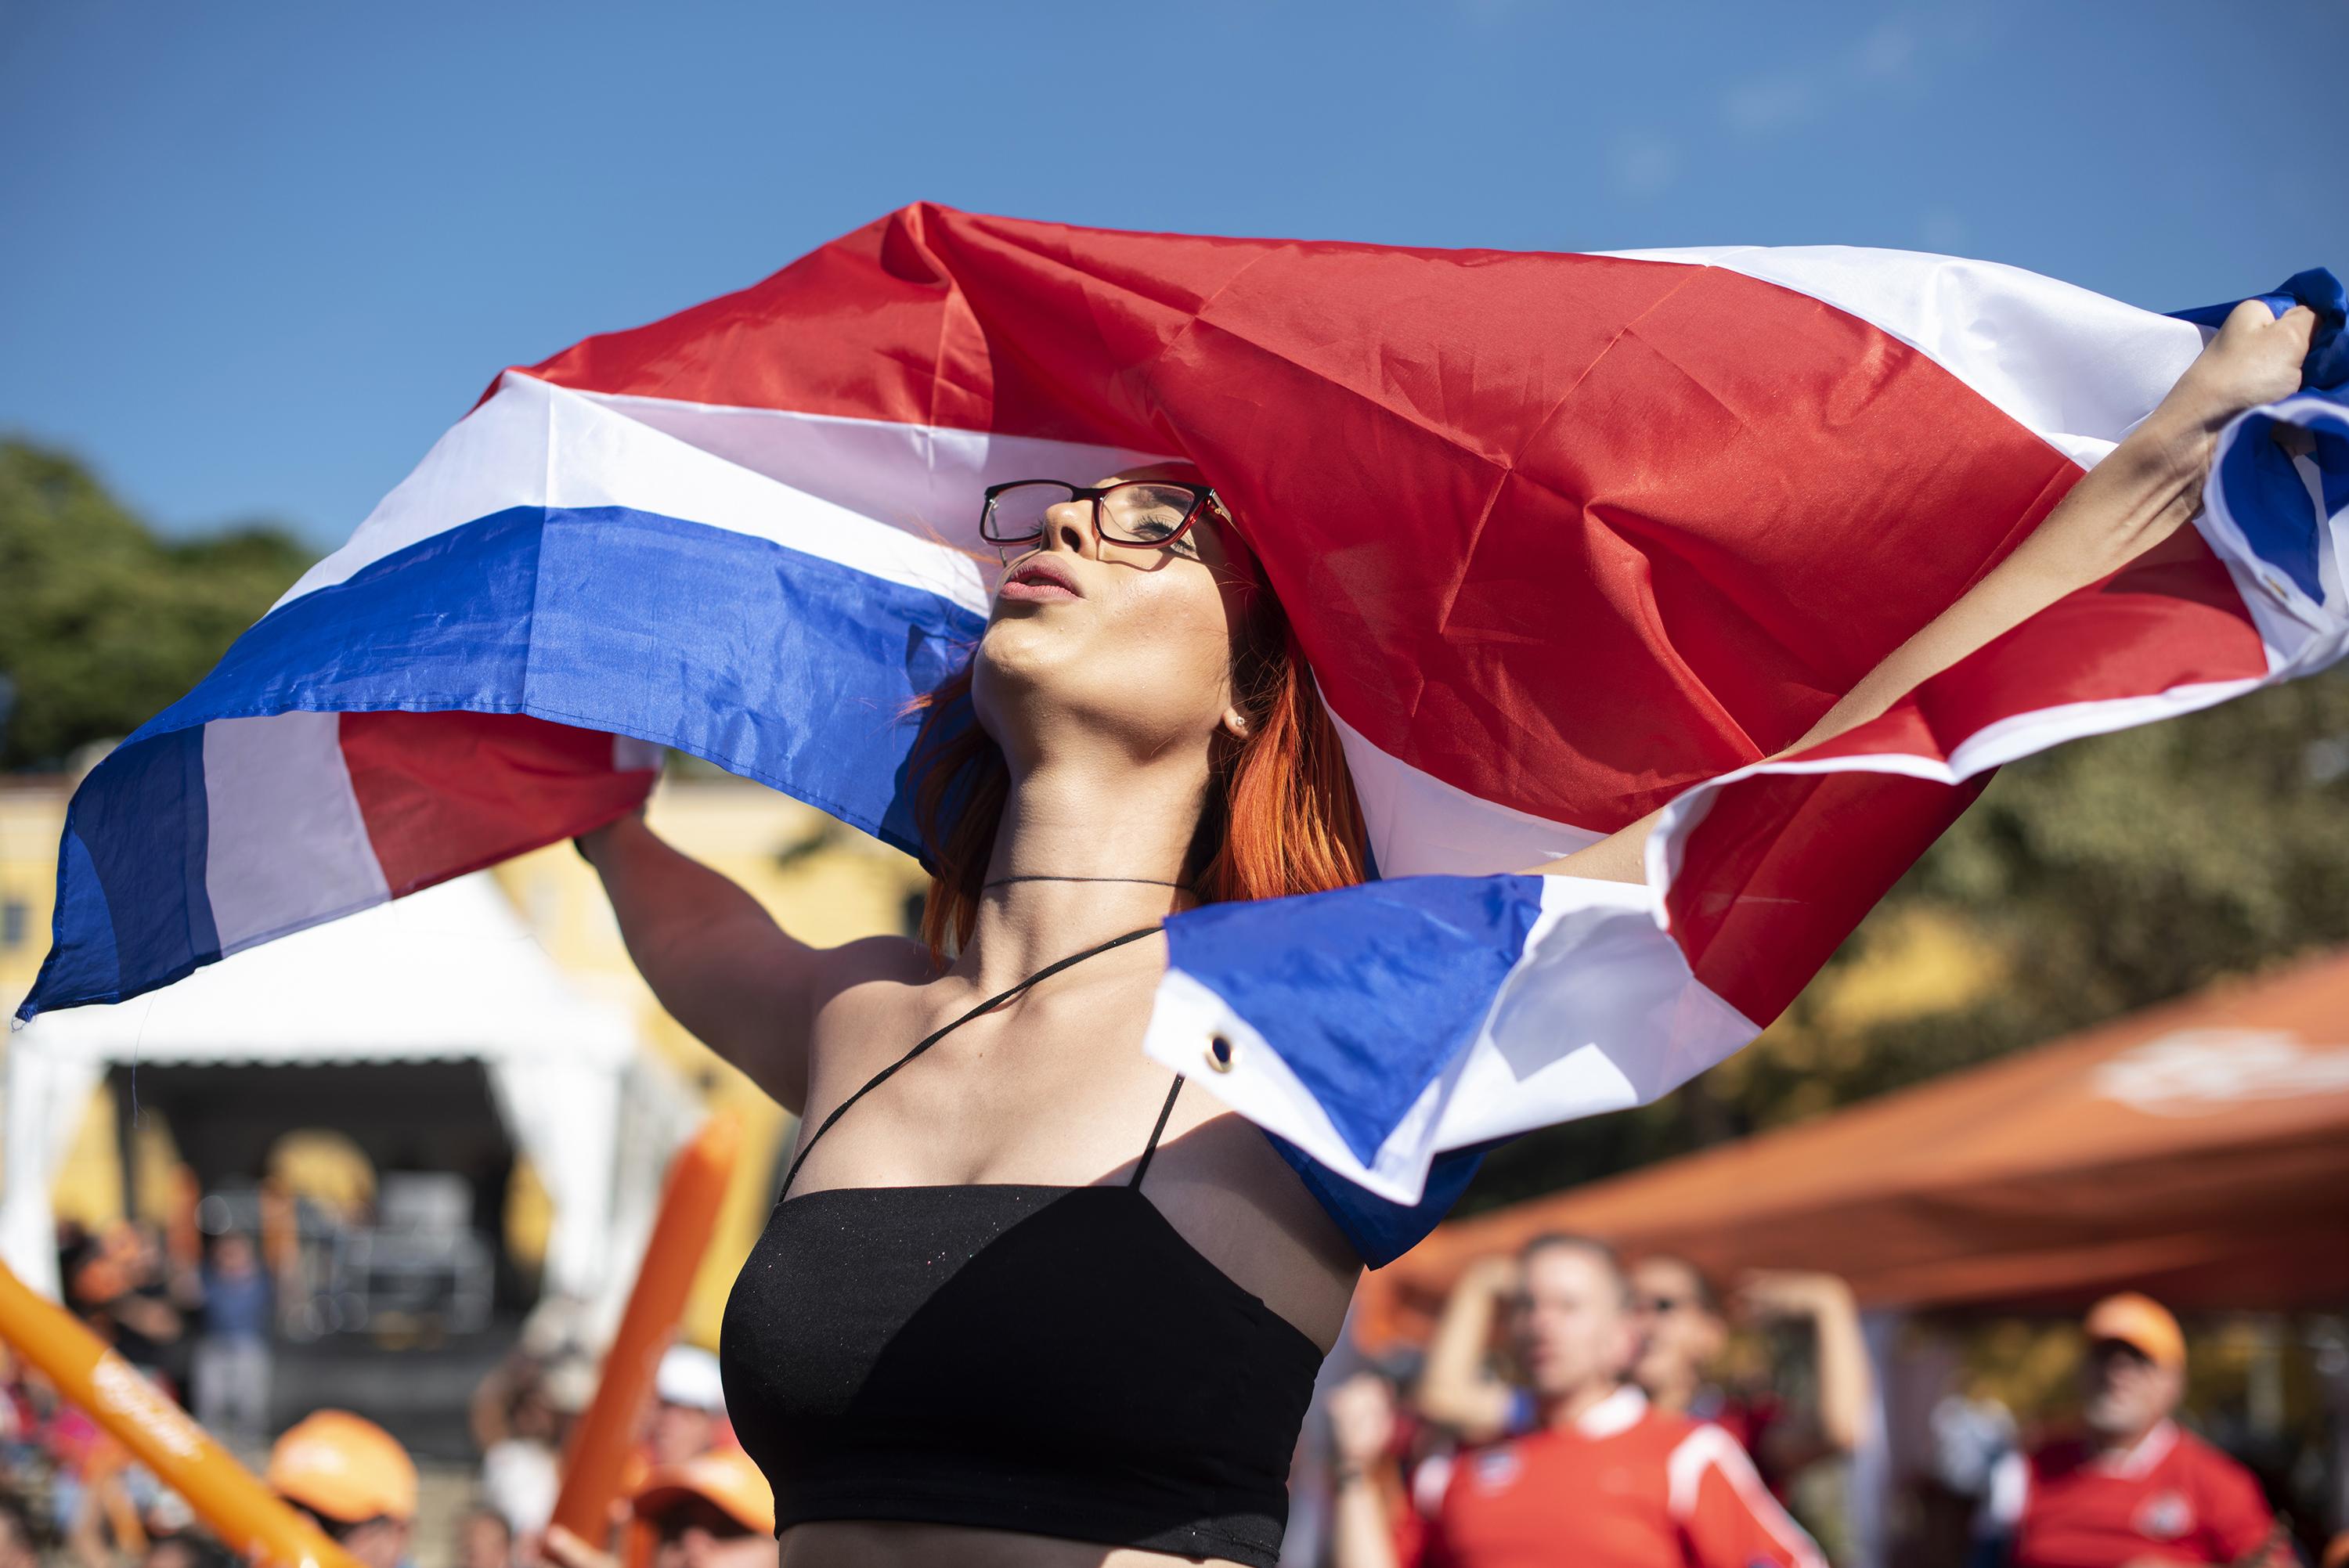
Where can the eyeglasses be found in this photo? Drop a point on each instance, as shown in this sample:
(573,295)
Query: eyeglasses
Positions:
(1149,512)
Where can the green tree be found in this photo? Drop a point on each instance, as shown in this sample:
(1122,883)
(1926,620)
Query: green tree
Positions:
(101,623)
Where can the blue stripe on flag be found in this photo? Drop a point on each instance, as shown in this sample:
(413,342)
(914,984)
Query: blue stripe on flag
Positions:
(1380,1229)
(2286,526)
(774,663)
(1394,985)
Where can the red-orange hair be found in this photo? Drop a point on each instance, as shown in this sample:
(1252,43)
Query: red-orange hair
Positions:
(1280,815)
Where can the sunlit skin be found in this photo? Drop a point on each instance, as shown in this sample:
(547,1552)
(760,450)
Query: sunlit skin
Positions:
(1108,702)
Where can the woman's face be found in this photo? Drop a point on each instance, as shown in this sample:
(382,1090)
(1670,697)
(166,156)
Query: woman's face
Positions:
(1123,643)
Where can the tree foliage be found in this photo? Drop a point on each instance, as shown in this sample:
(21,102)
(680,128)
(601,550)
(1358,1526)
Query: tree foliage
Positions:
(102,623)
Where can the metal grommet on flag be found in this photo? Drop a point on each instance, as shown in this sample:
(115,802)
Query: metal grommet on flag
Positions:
(1220,1053)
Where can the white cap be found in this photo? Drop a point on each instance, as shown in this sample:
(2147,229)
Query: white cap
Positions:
(689,1377)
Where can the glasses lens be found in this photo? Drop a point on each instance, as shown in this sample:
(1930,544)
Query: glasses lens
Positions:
(1145,513)
(1016,514)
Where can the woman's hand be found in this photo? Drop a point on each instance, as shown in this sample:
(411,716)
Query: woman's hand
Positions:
(2151,484)
(2255,359)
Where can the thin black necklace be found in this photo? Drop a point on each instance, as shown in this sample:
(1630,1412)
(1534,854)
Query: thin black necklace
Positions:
(1141,882)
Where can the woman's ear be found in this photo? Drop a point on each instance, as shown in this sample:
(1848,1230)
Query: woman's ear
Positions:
(1235,724)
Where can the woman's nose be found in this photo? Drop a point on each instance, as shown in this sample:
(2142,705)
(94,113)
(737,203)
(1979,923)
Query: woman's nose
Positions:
(1069,526)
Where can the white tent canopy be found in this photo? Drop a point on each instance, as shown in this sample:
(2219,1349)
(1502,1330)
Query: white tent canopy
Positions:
(447,975)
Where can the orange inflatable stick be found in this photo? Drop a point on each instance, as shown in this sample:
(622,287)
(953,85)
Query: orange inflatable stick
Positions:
(599,1452)
(247,1516)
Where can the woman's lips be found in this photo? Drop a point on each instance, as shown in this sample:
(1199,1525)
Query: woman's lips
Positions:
(1038,581)
(1037,590)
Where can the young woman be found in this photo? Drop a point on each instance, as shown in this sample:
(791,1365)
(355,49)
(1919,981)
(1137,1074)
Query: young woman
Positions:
(1024,1300)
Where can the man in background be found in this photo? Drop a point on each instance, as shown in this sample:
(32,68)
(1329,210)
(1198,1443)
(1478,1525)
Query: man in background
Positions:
(1601,1478)
(354,1478)
(1683,1330)
(2134,1489)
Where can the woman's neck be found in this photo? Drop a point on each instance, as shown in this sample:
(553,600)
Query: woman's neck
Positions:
(1074,819)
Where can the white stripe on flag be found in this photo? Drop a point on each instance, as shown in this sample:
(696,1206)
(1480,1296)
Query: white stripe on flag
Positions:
(898,502)
(1418,823)
(288,847)
(2077,368)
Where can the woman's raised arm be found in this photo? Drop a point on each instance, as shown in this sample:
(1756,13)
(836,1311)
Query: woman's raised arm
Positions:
(714,957)
(2126,505)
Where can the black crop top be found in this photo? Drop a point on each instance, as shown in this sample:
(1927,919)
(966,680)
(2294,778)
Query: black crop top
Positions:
(1054,1360)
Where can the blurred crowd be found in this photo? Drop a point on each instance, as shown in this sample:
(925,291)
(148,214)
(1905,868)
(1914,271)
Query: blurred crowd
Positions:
(201,1323)
(1569,1410)
(1572,1410)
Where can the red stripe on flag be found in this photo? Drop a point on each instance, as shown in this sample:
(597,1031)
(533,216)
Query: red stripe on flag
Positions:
(446,793)
(1784,866)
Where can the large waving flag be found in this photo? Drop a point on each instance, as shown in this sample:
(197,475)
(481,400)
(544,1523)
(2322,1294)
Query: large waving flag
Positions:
(1568,538)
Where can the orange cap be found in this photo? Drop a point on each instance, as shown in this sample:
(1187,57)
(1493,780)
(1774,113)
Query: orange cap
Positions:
(726,1477)
(2141,1323)
(344,1467)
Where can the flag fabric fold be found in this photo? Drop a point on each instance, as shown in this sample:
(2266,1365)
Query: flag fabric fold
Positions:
(1568,538)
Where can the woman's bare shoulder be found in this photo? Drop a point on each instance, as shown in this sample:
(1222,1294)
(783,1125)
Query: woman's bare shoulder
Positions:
(867,983)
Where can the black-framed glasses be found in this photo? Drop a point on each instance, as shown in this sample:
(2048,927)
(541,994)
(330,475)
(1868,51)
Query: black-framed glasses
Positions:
(1153,513)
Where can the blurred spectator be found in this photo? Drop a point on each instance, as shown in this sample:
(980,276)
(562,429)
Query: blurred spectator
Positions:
(184,1549)
(688,1406)
(484,1540)
(231,1363)
(150,1318)
(2134,1489)
(520,1413)
(714,1512)
(1602,1480)
(1682,1332)
(354,1478)
(1974,1432)
(1685,1332)
(19,1546)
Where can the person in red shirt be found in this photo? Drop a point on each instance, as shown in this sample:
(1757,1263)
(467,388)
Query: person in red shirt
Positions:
(1683,1329)
(2135,1490)
(1604,1481)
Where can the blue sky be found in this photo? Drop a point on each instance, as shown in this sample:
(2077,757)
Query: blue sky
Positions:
(255,257)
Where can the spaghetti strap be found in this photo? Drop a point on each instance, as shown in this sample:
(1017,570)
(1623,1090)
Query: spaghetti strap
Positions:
(877,1080)
(1142,1166)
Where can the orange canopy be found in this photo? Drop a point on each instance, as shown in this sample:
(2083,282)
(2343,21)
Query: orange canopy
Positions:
(2199,1150)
